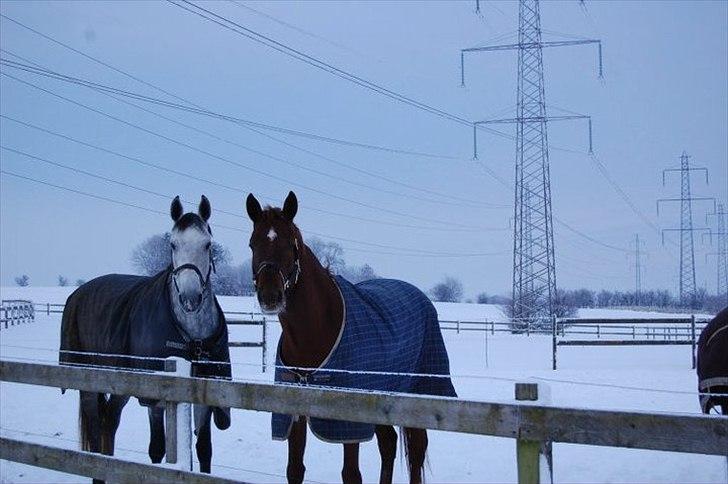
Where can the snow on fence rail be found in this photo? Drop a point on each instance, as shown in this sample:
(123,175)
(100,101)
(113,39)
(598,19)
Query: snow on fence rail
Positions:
(533,425)
(16,311)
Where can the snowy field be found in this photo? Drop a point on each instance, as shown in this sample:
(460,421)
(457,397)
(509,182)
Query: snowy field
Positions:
(656,379)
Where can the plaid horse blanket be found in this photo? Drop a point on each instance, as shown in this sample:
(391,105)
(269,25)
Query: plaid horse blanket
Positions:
(389,326)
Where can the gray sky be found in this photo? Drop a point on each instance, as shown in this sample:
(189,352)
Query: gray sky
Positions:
(665,91)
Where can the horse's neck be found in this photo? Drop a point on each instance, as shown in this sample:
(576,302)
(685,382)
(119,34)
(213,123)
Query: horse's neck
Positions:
(313,317)
(202,323)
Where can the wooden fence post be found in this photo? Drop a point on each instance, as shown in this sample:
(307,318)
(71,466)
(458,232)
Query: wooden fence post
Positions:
(457,327)
(178,424)
(534,458)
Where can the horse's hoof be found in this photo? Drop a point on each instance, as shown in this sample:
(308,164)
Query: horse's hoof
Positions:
(221,417)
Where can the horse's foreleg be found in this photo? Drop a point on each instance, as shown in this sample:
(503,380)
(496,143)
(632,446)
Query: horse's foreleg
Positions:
(204,437)
(350,474)
(296,448)
(157,444)
(387,442)
(415,445)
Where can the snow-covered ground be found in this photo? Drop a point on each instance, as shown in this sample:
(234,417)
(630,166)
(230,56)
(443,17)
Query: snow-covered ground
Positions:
(485,367)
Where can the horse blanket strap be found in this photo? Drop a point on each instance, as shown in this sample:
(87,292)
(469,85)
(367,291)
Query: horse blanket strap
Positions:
(712,364)
(389,327)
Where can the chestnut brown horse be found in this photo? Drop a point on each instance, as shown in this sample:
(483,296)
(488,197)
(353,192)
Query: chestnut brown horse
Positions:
(312,307)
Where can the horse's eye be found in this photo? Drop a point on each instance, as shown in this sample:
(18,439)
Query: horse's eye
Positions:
(207,247)
(174,246)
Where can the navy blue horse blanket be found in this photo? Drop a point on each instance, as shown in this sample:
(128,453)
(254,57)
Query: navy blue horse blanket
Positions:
(132,315)
(713,363)
(389,326)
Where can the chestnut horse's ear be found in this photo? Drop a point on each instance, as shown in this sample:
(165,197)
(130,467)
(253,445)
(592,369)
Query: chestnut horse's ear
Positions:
(253,207)
(204,210)
(176,209)
(290,206)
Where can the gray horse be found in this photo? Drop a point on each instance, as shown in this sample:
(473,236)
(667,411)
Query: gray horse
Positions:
(173,313)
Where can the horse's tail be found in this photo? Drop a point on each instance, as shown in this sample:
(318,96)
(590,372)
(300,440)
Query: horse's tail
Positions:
(83,426)
(414,449)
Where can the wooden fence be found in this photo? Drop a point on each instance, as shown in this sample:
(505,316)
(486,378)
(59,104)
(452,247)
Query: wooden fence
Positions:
(643,332)
(15,311)
(534,425)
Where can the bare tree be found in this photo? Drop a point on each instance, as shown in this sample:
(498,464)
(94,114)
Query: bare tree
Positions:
(449,290)
(62,281)
(330,254)
(23,280)
(154,255)
(80,282)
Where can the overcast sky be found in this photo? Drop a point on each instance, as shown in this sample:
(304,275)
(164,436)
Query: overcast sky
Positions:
(664,91)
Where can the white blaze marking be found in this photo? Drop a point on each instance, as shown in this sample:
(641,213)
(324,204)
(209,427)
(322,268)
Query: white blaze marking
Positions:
(272,234)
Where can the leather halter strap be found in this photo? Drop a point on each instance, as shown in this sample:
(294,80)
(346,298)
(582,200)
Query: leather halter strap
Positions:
(289,281)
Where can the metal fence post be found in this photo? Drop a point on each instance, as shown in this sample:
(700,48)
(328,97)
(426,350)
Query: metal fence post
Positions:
(534,458)
(457,327)
(692,340)
(178,424)
(553,343)
(265,343)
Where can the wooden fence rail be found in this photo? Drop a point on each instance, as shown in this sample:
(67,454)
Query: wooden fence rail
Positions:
(701,434)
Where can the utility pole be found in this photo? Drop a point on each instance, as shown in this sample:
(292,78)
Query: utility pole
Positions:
(688,287)
(722,253)
(534,264)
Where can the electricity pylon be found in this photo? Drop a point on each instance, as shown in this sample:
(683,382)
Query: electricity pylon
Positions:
(688,288)
(722,253)
(638,244)
(534,265)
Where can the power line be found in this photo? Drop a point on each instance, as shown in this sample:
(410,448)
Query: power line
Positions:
(407,252)
(267,155)
(490,172)
(205,112)
(187,101)
(234,163)
(208,181)
(293,27)
(312,61)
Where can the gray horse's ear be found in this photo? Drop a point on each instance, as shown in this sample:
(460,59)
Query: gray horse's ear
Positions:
(204,210)
(176,209)
(253,207)
(290,206)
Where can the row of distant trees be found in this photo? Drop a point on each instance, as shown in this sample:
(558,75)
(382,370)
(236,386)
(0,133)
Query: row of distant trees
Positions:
(24,280)
(153,255)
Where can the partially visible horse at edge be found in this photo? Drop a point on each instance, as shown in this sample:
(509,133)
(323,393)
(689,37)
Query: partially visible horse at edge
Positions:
(173,313)
(712,367)
(381,326)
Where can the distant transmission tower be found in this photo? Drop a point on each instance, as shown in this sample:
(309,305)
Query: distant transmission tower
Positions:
(638,268)
(688,287)
(722,253)
(534,265)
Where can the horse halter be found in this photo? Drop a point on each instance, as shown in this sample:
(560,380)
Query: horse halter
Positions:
(203,281)
(290,281)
